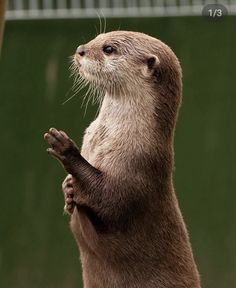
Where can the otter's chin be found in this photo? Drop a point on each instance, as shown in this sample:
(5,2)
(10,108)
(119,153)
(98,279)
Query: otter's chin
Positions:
(92,79)
(86,75)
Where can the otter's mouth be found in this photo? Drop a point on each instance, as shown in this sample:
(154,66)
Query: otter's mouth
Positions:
(84,68)
(90,72)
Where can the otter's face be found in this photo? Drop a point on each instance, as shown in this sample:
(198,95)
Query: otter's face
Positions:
(116,61)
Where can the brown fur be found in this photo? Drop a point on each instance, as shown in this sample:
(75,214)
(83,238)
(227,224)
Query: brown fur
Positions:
(127,221)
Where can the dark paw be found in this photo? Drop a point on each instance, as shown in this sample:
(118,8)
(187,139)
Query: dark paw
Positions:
(62,147)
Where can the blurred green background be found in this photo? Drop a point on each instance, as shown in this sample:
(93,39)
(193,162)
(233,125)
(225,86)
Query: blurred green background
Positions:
(36,247)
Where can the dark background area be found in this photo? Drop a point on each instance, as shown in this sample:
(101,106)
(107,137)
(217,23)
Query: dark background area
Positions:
(36,247)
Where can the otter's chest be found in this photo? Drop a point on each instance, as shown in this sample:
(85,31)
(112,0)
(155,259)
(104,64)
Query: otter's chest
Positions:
(95,140)
(106,142)
(115,136)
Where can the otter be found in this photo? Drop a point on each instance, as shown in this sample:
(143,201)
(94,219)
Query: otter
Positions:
(119,193)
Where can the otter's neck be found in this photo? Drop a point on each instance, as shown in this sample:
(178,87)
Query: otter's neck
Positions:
(129,109)
(135,124)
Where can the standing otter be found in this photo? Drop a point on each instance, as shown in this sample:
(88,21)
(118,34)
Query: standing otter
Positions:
(119,192)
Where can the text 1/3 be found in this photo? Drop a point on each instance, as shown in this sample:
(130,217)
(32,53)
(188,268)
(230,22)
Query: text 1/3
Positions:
(214,11)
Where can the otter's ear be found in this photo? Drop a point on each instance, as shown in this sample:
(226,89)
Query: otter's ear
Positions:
(151,63)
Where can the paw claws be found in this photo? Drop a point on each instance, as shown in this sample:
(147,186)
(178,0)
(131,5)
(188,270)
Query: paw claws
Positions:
(69,200)
(61,148)
(68,209)
(53,130)
(45,136)
(53,153)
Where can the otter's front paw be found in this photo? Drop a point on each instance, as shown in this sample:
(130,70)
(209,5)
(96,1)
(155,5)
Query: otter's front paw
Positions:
(62,147)
(68,190)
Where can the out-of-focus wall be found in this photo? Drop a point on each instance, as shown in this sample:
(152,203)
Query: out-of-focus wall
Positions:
(36,247)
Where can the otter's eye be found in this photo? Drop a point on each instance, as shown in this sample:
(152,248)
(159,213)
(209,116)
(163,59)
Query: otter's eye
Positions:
(108,49)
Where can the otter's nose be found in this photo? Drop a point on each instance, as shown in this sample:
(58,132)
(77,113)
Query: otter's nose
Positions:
(80,50)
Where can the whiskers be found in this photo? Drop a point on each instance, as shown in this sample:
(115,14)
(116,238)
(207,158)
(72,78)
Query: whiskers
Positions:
(94,93)
(102,25)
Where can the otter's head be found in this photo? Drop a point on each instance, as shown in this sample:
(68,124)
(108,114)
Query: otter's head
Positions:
(121,60)
(133,65)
